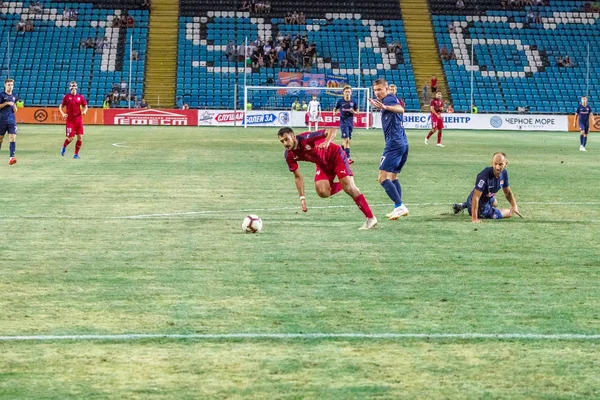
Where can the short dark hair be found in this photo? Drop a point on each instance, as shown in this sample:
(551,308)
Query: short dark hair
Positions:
(380,81)
(284,131)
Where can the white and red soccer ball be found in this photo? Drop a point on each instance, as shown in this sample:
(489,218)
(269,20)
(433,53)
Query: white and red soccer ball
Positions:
(252,224)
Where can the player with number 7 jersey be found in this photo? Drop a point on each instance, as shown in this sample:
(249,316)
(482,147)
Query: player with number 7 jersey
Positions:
(73,108)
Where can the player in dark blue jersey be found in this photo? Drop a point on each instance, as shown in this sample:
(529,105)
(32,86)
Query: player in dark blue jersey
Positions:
(482,203)
(8,120)
(583,115)
(396,145)
(348,108)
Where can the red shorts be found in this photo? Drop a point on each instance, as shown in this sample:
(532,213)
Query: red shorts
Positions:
(74,128)
(437,123)
(339,168)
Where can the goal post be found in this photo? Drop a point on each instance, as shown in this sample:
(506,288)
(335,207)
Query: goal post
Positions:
(278,98)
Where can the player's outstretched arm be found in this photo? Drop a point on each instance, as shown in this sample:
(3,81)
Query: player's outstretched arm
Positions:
(575,119)
(510,197)
(299,179)
(475,206)
(60,108)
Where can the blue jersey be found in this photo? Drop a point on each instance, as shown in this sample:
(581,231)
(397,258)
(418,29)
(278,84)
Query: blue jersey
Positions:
(345,108)
(7,113)
(488,185)
(584,114)
(393,125)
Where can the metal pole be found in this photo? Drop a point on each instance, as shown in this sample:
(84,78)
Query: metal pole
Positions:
(368,107)
(359,69)
(235,90)
(130,68)
(472,77)
(245,101)
(8,55)
(587,75)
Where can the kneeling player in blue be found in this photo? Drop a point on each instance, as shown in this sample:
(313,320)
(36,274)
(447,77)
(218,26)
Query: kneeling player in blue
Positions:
(481,202)
(347,107)
(583,115)
(8,120)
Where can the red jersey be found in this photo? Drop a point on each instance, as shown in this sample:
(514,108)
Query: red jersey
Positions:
(307,150)
(438,106)
(434,82)
(73,104)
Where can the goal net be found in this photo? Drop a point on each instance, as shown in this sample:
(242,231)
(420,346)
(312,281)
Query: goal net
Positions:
(295,100)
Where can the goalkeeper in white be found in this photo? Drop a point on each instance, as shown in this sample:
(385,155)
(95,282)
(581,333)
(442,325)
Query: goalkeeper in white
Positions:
(314,113)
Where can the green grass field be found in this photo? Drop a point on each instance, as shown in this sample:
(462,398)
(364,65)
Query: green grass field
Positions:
(145,239)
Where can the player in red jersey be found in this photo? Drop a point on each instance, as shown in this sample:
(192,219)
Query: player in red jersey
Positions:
(73,108)
(331,161)
(437,123)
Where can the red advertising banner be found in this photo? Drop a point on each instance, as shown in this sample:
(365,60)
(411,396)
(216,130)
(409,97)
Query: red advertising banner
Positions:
(137,117)
(328,120)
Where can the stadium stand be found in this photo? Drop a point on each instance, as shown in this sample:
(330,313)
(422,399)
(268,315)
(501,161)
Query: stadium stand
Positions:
(516,54)
(53,48)
(207,77)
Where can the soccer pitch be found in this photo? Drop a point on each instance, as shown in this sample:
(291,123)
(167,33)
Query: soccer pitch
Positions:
(143,236)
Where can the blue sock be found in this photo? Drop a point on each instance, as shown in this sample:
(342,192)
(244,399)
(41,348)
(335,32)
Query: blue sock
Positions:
(347,150)
(396,183)
(581,140)
(584,141)
(13,148)
(392,192)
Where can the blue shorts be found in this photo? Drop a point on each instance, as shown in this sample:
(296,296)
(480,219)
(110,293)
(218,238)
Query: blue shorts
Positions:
(489,211)
(392,160)
(10,128)
(584,127)
(346,131)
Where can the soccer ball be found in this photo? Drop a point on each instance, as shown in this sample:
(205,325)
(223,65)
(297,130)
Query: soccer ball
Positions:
(252,224)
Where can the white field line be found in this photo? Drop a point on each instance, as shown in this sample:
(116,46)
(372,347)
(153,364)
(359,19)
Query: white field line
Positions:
(188,213)
(120,144)
(308,336)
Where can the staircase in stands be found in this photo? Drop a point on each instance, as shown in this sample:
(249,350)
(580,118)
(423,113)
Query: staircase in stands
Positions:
(161,61)
(423,48)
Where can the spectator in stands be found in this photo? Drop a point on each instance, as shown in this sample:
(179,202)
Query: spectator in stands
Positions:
(135,55)
(136,102)
(451,28)
(123,88)
(146,4)
(425,92)
(248,106)
(179,102)
(474,109)
(21,25)
(304,105)
(230,52)
(287,19)
(106,103)
(449,108)
(116,21)
(20,103)
(530,19)
(245,5)
(460,4)
(130,21)
(29,26)
(143,104)
(301,18)
(560,62)
(538,18)
(434,84)
(445,54)
(296,105)
(568,62)
(185,106)
(282,58)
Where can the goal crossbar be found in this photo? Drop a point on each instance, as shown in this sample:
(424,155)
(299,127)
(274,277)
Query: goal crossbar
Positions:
(366,90)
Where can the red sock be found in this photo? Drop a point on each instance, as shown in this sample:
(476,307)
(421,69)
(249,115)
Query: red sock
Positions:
(335,188)
(430,133)
(78,146)
(361,202)
(66,143)
(439,136)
